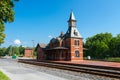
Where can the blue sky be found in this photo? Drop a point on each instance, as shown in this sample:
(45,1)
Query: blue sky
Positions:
(38,19)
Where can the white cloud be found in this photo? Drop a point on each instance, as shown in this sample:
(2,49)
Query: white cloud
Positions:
(17,42)
(50,36)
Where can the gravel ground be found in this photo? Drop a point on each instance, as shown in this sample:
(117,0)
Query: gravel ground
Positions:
(67,74)
(17,71)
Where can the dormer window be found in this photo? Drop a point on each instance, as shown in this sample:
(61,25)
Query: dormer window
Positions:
(75,33)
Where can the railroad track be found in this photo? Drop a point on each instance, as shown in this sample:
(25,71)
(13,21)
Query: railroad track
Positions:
(91,69)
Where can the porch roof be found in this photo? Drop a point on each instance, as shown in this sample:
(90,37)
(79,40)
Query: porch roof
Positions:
(57,48)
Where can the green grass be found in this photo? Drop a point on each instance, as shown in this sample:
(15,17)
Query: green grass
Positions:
(117,59)
(3,76)
(110,59)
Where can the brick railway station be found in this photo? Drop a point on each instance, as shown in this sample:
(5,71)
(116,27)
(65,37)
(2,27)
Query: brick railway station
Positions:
(68,48)
(65,47)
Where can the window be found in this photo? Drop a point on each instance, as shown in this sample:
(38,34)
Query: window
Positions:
(77,54)
(62,43)
(62,54)
(75,33)
(76,42)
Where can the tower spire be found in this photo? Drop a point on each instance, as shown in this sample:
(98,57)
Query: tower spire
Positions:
(72,17)
(72,20)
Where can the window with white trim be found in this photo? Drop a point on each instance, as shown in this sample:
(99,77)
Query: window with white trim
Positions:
(77,54)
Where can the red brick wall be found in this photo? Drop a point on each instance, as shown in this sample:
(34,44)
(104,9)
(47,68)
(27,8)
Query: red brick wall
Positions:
(69,54)
(74,48)
(28,53)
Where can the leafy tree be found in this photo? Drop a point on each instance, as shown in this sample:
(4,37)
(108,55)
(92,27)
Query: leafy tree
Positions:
(12,50)
(114,45)
(21,50)
(2,51)
(15,50)
(9,51)
(98,45)
(6,15)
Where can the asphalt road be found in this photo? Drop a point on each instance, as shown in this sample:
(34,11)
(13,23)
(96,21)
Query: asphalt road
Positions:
(16,71)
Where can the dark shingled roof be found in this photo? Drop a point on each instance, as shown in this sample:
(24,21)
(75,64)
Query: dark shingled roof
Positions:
(56,48)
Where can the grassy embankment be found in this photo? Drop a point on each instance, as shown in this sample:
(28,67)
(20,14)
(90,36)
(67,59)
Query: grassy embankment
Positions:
(111,59)
(3,76)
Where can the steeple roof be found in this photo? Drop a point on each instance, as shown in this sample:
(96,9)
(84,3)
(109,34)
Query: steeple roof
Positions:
(72,17)
(72,29)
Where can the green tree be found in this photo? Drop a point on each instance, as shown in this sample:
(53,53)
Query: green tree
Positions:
(21,50)
(2,51)
(114,45)
(98,45)
(9,51)
(15,50)
(6,15)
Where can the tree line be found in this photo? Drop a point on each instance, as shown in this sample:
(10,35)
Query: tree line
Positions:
(102,45)
(12,50)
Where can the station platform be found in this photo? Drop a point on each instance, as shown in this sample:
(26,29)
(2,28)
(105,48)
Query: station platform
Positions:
(91,62)
(82,62)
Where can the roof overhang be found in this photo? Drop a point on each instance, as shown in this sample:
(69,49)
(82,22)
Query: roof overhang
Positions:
(57,48)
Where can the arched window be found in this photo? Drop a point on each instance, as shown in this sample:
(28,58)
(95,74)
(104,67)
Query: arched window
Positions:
(77,54)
